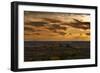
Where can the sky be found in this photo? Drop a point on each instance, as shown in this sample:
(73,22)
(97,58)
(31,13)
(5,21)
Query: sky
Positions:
(54,26)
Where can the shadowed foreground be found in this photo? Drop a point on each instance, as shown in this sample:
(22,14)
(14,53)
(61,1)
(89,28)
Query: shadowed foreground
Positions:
(56,50)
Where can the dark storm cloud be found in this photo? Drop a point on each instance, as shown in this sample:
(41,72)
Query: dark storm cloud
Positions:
(29,29)
(57,30)
(78,24)
(61,33)
(51,20)
(76,20)
(55,26)
(87,33)
(27,34)
(83,26)
(37,23)
(37,33)
(51,29)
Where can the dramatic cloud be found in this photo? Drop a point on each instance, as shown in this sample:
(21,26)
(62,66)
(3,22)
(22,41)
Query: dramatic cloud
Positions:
(56,26)
(87,33)
(79,24)
(38,23)
(62,33)
(37,33)
(29,29)
(52,20)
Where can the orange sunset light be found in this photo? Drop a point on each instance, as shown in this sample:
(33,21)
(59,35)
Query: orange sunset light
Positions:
(50,26)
